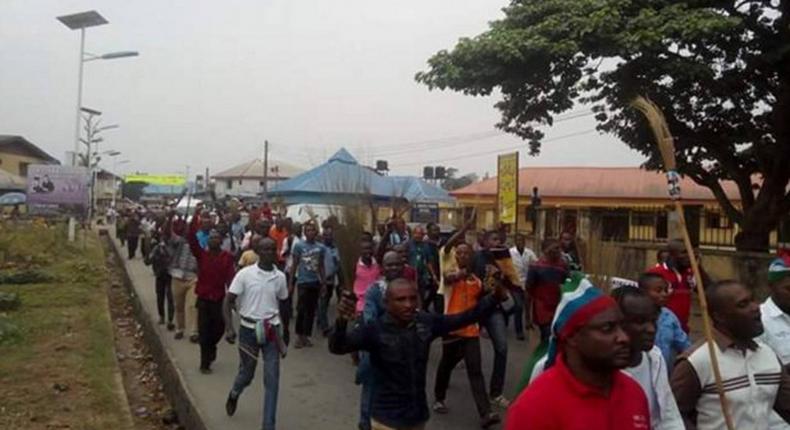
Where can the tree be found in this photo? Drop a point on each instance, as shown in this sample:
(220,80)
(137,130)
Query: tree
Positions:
(453,182)
(720,70)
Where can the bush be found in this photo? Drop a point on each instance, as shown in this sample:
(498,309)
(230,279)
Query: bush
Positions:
(9,301)
(24,277)
(8,331)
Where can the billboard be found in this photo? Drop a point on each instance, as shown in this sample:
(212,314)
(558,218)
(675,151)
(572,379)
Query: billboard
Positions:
(57,185)
(167,180)
(507,188)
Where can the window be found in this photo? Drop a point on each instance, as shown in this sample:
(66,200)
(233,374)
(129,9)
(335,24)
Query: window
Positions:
(23,169)
(239,181)
(229,184)
(716,220)
(614,226)
(662,229)
(643,219)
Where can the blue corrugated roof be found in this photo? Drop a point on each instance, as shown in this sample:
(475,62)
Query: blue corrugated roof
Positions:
(342,177)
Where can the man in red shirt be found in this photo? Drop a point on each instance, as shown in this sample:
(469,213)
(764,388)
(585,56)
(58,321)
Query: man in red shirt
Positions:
(215,273)
(583,387)
(678,274)
(544,281)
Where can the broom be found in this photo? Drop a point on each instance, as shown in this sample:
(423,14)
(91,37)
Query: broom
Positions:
(666,146)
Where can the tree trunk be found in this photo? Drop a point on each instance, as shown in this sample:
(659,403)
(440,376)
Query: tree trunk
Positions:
(758,223)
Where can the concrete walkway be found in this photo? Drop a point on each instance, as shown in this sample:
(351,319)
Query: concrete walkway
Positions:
(316,388)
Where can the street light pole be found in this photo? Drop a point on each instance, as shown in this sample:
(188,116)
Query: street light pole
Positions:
(81,21)
(79,99)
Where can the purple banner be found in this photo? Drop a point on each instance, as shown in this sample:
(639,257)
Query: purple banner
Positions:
(60,185)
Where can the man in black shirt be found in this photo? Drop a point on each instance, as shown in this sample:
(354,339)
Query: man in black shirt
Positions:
(399,344)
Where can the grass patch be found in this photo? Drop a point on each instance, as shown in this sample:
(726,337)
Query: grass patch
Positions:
(63,336)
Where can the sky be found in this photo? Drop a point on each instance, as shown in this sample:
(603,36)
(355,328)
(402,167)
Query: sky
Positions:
(215,79)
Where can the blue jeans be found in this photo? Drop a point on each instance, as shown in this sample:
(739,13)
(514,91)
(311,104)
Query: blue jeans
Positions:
(497,331)
(365,378)
(248,354)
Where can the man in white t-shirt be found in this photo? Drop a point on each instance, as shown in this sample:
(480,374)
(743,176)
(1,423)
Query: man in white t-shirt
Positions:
(255,294)
(775,314)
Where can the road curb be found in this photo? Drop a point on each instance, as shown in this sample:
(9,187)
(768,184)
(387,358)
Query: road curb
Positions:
(173,380)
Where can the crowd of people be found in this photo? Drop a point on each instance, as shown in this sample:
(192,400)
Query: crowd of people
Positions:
(607,358)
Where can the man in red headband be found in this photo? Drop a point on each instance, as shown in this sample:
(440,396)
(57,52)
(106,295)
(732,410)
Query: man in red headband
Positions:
(582,387)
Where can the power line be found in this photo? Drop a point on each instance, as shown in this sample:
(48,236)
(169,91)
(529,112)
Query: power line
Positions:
(384,150)
(447,142)
(494,151)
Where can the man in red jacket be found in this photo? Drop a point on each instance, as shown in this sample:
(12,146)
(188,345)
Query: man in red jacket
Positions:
(215,273)
(678,274)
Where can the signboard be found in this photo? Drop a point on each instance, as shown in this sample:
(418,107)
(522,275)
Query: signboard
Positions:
(507,188)
(57,185)
(425,213)
(168,180)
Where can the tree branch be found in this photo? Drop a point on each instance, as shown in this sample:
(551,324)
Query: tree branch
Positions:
(705,179)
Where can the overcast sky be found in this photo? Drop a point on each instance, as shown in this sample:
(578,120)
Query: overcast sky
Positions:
(214,79)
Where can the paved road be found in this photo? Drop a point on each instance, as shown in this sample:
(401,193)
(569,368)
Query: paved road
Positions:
(316,388)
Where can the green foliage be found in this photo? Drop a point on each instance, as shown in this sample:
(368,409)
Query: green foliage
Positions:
(24,277)
(9,332)
(9,301)
(720,70)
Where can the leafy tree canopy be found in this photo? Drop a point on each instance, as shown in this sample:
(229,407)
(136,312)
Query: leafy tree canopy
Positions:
(720,70)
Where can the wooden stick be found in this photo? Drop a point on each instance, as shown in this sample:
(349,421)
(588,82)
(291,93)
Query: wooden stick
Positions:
(667,148)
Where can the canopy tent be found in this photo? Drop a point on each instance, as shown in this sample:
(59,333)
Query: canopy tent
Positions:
(415,189)
(342,179)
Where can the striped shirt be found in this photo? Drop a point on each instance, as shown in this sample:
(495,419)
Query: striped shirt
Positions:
(753,379)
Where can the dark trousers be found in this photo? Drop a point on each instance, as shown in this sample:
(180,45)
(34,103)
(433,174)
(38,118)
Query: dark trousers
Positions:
(286,309)
(164,295)
(454,350)
(323,306)
(211,326)
(131,245)
(429,296)
(306,304)
(518,311)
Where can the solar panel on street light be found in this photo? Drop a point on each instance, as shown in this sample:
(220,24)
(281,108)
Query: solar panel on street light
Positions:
(81,20)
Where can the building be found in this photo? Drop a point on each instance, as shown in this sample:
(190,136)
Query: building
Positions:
(17,153)
(623,204)
(246,179)
(106,188)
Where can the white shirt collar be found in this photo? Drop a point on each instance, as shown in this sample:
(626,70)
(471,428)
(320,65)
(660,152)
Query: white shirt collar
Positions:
(770,309)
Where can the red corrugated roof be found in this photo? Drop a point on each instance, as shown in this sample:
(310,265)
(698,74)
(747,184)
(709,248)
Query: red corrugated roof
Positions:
(596,182)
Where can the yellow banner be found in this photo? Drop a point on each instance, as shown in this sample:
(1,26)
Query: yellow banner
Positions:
(507,188)
(171,180)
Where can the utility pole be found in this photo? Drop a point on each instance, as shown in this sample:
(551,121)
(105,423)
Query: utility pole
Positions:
(265,170)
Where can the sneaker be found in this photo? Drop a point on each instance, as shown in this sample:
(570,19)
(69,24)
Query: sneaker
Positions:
(194,338)
(205,370)
(521,336)
(308,343)
(179,335)
(299,344)
(439,407)
(171,326)
(230,405)
(489,420)
(500,402)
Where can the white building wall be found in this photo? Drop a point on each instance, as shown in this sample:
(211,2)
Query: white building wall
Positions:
(240,187)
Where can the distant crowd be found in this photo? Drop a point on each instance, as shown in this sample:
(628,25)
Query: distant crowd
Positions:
(609,357)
